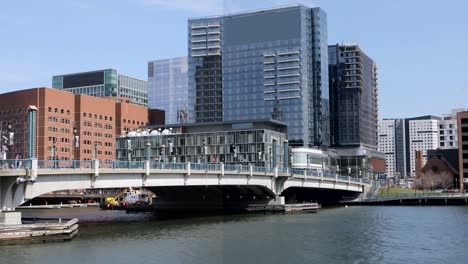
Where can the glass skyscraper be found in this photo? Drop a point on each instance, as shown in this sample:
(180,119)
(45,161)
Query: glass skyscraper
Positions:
(265,64)
(104,83)
(168,88)
(353,94)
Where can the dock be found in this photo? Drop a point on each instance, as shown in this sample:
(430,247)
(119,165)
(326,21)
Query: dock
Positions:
(57,206)
(38,230)
(285,208)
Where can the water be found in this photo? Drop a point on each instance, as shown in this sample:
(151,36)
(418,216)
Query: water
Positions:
(335,235)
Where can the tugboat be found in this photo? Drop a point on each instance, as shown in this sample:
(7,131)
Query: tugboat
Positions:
(126,197)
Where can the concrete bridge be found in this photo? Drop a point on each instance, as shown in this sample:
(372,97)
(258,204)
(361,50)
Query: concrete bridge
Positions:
(178,185)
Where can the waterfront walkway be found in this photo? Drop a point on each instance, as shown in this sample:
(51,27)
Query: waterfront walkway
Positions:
(418,198)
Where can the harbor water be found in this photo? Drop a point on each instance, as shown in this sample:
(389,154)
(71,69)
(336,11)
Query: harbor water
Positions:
(361,234)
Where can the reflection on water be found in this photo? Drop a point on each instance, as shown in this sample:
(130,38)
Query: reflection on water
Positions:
(335,235)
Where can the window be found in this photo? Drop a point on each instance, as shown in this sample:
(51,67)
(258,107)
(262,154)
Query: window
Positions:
(50,109)
(55,110)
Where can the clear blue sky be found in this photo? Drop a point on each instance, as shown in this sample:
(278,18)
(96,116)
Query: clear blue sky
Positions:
(420,45)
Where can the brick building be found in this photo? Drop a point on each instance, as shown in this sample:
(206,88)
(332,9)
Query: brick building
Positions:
(60,114)
(462,124)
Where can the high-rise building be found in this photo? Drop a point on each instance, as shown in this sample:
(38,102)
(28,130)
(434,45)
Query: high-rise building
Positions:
(386,134)
(392,142)
(104,83)
(421,134)
(168,88)
(353,97)
(61,116)
(270,63)
(448,130)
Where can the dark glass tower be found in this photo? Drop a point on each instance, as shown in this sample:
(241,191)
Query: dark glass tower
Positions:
(353,95)
(264,64)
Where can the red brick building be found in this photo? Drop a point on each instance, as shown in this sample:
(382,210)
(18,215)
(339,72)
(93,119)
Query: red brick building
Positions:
(96,121)
(462,125)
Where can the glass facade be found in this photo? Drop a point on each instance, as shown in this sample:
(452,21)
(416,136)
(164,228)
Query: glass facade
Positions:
(242,143)
(167,88)
(260,65)
(353,88)
(104,83)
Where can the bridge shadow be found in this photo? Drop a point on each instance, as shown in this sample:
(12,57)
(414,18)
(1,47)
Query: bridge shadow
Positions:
(321,196)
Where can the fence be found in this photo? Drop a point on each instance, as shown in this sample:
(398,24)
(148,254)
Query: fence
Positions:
(116,164)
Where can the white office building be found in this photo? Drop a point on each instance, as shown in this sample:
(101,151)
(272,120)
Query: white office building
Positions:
(448,138)
(423,136)
(387,144)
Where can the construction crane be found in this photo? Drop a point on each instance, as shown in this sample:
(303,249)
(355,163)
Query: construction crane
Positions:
(113,200)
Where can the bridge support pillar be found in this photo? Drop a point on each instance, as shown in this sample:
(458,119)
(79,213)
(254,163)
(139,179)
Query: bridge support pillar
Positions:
(10,218)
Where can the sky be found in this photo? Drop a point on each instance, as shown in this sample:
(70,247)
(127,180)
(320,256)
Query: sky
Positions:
(420,46)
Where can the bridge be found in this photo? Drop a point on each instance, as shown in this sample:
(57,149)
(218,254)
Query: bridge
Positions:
(178,185)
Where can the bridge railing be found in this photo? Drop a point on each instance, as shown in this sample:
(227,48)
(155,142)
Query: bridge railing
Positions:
(64,164)
(116,164)
(168,166)
(262,169)
(206,166)
(13,164)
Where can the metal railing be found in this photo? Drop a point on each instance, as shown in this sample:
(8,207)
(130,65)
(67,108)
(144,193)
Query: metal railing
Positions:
(64,164)
(116,164)
(14,164)
(415,195)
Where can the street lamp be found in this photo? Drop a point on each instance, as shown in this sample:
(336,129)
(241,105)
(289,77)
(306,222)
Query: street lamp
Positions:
(148,150)
(95,150)
(54,151)
(162,147)
(205,151)
(171,148)
(129,149)
(6,140)
(76,139)
(259,156)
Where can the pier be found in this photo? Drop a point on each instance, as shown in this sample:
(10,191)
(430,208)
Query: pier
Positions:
(34,230)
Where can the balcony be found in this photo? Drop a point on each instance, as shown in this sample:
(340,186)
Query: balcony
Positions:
(288,53)
(198,34)
(289,60)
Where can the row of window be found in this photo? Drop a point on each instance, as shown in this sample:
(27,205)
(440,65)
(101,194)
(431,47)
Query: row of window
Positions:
(13,112)
(99,152)
(89,115)
(63,140)
(61,149)
(56,110)
(56,120)
(125,121)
